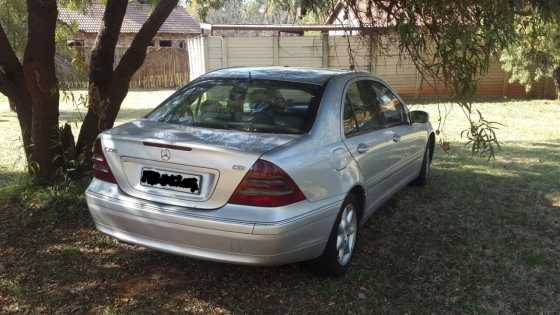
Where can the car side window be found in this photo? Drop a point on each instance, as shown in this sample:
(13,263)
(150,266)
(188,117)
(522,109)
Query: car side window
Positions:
(352,96)
(350,125)
(391,107)
(361,108)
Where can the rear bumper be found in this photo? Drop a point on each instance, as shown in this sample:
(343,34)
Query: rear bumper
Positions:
(199,235)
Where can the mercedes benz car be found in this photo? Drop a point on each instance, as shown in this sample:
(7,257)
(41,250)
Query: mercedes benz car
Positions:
(260,166)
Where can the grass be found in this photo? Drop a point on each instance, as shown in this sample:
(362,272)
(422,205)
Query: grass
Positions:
(482,238)
(136,104)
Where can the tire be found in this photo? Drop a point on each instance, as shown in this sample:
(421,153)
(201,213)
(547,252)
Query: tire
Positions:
(423,178)
(338,253)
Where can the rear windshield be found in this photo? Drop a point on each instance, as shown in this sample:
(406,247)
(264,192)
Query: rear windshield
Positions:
(247,105)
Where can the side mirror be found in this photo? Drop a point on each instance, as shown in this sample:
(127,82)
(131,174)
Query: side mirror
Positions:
(419,116)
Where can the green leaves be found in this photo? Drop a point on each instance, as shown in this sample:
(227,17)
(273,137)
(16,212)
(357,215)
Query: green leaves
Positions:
(75,4)
(13,18)
(481,135)
(202,7)
(535,53)
(453,42)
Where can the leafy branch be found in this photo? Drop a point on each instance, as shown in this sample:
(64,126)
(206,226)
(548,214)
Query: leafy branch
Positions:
(481,135)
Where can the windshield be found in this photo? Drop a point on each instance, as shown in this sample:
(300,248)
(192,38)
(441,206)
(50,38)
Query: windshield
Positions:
(242,104)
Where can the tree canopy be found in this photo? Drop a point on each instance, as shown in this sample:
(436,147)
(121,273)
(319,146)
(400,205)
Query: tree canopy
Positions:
(13,17)
(535,55)
(453,41)
(243,12)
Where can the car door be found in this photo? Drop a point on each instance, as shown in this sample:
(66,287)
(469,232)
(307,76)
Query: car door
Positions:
(408,148)
(366,138)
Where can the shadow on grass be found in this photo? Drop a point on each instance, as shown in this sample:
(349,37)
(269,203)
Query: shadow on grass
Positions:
(483,237)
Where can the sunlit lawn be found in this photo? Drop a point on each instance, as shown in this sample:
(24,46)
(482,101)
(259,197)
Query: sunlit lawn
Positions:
(484,237)
(136,104)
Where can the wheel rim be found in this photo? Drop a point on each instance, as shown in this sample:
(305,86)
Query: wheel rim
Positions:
(346,234)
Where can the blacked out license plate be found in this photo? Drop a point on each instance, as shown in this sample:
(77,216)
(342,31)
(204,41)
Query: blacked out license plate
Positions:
(187,183)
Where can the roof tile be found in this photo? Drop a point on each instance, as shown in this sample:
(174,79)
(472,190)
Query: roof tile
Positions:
(89,21)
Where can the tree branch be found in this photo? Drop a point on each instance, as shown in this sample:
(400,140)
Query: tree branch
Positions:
(134,58)
(4,84)
(110,96)
(13,85)
(136,53)
(103,54)
(6,87)
(10,66)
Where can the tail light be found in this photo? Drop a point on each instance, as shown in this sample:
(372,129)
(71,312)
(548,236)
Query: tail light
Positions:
(101,169)
(266,185)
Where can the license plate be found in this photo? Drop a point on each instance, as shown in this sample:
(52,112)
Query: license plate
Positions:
(182,182)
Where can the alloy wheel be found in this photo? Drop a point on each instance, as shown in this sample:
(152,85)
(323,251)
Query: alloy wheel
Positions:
(346,234)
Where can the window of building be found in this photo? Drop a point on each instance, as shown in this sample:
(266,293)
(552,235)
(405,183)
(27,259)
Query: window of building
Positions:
(165,43)
(75,43)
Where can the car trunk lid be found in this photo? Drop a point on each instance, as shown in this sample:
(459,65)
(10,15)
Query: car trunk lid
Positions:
(215,159)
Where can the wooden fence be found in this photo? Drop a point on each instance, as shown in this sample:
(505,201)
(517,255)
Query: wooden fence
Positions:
(164,67)
(212,52)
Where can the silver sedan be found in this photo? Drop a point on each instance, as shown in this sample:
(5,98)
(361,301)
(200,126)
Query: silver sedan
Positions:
(260,166)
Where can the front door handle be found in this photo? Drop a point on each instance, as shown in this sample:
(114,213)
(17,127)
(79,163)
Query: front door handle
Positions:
(362,148)
(396,138)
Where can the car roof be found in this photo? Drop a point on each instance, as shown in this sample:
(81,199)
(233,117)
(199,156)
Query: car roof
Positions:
(303,75)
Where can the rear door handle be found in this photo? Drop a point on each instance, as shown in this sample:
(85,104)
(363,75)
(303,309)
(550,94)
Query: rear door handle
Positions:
(396,138)
(362,148)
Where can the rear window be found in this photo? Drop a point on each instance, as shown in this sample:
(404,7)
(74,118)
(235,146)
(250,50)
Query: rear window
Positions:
(247,105)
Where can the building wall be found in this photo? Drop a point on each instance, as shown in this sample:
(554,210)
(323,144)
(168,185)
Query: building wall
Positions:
(343,52)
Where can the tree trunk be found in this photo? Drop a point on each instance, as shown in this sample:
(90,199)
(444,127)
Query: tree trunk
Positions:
(133,59)
(556,78)
(105,104)
(12,84)
(42,84)
(101,76)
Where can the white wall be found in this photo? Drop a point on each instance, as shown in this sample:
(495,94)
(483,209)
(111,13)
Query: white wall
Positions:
(383,58)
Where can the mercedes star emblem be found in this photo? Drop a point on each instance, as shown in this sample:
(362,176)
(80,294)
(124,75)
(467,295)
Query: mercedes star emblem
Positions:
(165,154)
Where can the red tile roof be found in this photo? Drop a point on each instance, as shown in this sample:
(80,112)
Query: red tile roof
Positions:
(179,21)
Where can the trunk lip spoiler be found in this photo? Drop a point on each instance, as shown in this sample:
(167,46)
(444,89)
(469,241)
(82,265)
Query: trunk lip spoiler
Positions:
(166,146)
